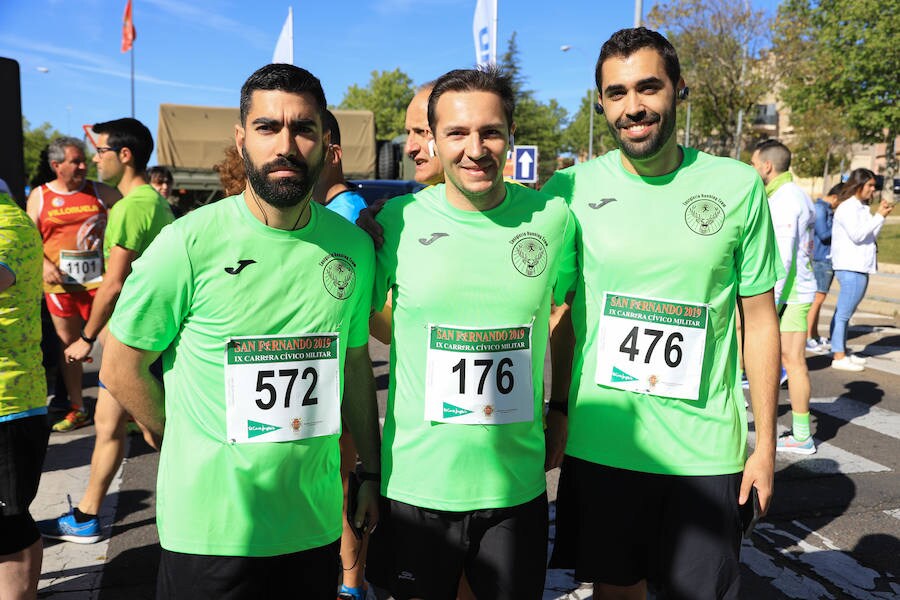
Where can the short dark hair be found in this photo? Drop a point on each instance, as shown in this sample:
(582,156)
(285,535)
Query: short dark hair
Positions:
(776,153)
(626,42)
(487,79)
(835,189)
(128,133)
(159,173)
(855,181)
(284,78)
(330,123)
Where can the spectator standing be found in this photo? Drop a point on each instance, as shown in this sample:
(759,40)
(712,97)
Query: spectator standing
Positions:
(821,263)
(853,258)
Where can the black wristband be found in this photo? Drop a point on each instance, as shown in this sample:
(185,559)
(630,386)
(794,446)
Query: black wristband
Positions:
(560,406)
(366,476)
(87,339)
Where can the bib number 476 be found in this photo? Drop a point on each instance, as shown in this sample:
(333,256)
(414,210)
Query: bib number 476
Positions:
(262,385)
(672,352)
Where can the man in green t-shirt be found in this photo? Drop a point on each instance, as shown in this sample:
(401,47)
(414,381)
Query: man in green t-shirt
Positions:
(259,306)
(123,149)
(23,398)
(471,265)
(655,478)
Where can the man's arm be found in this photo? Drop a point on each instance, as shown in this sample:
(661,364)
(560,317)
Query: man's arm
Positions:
(762,356)
(562,350)
(52,274)
(126,374)
(360,412)
(381,322)
(118,267)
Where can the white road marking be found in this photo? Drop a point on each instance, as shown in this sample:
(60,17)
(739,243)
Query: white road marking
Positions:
(895,512)
(885,422)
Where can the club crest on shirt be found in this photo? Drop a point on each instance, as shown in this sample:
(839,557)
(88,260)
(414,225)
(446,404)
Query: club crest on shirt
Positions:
(529,253)
(704,214)
(338,275)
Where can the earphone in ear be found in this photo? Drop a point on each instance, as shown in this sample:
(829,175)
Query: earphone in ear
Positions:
(431,151)
(683,93)
(598,108)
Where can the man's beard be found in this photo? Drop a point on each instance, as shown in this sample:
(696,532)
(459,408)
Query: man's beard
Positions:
(653,144)
(283,192)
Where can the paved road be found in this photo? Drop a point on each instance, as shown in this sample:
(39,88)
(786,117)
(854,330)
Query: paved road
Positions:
(833,532)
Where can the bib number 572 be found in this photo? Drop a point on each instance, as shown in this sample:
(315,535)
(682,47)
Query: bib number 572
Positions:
(672,352)
(262,385)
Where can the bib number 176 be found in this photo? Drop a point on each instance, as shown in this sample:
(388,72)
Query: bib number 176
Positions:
(503,375)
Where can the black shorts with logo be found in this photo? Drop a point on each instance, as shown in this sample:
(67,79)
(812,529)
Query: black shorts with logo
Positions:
(311,574)
(23,445)
(618,527)
(420,553)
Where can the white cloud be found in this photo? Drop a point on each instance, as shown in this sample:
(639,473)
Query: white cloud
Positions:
(210,17)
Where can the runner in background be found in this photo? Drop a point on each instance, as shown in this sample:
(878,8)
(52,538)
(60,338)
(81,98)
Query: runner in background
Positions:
(70,213)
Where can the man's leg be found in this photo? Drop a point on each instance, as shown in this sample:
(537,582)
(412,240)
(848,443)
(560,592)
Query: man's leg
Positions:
(812,319)
(68,329)
(109,450)
(793,357)
(20,571)
(353,550)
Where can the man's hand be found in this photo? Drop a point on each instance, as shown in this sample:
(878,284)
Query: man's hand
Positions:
(555,437)
(366,221)
(79,351)
(759,471)
(367,506)
(52,274)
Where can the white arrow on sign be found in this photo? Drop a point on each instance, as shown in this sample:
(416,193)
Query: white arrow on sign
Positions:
(525,161)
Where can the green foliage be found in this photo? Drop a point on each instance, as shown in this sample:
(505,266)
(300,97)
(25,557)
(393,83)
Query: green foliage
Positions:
(537,123)
(721,47)
(822,139)
(575,137)
(889,244)
(34,141)
(843,53)
(387,95)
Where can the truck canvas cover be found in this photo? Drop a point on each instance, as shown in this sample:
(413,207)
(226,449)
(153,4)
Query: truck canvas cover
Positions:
(194,138)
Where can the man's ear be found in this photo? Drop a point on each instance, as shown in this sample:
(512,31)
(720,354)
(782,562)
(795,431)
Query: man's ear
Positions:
(337,153)
(126,156)
(239,136)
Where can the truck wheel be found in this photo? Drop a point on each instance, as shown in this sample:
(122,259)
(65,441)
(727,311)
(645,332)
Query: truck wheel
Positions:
(388,166)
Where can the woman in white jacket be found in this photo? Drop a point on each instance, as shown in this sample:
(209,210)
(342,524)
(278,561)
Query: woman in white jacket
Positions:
(853,257)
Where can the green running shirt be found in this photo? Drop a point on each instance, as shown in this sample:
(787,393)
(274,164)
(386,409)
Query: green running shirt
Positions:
(136,219)
(673,252)
(484,278)
(215,274)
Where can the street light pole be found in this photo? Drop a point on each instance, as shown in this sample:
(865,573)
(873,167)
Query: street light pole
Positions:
(566,48)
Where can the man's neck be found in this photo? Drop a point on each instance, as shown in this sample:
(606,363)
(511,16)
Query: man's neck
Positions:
(130,181)
(61,186)
(333,190)
(458,200)
(288,218)
(667,160)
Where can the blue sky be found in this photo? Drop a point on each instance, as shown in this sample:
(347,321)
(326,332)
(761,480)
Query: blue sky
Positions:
(201,51)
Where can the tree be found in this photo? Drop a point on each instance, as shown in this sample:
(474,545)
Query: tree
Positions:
(721,46)
(387,95)
(575,136)
(843,54)
(537,123)
(822,140)
(34,142)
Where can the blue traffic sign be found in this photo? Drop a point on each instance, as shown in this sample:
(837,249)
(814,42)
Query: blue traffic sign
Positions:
(525,161)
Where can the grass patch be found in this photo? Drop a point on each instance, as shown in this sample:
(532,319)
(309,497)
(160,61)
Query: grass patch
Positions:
(889,244)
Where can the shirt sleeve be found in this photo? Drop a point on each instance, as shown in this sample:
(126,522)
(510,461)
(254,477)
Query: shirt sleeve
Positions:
(758,264)
(359,320)
(822,224)
(785,222)
(562,184)
(386,257)
(156,296)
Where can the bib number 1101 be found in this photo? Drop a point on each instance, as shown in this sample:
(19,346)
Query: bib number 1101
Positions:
(262,385)
(672,352)
(503,377)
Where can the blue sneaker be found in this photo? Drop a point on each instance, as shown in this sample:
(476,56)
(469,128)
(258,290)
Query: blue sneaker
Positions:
(787,443)
(350,593)
(783,377)
(66,528)
(745,383)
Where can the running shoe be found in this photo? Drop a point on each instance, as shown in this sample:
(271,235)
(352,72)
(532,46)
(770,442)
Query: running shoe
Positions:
(349,593)
(745,383)
(74,420)
(813,345)
(846,364)
(856,359)
(783,379)
(787,443)
(66,528)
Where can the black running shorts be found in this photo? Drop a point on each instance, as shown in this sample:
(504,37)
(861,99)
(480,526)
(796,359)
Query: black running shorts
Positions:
(309,574)
(421,553)
(23,445)
(618,527)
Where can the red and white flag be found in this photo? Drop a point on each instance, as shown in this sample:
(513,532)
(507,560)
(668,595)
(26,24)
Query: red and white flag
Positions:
(128,33)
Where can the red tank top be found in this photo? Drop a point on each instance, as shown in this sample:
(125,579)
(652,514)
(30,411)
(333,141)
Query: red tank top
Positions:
(72,226)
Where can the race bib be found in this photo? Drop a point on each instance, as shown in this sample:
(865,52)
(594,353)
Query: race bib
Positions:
(479,376)
(651,346)
(81,266)
(282,389)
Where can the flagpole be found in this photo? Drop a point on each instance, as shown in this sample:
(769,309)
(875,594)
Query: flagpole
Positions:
(496,31)
(132,81)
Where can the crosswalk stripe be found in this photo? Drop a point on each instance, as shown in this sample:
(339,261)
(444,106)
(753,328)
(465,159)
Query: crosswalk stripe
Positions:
(829,460)
(894,513)
(885,422)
